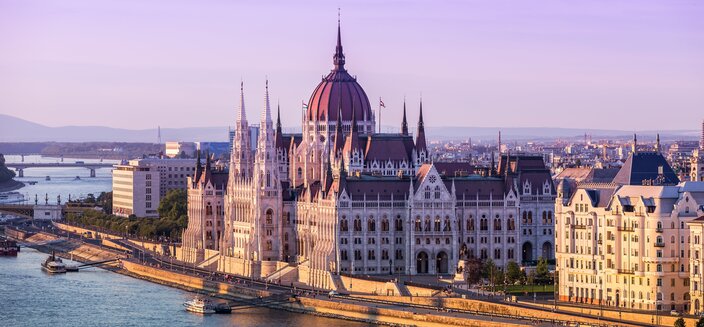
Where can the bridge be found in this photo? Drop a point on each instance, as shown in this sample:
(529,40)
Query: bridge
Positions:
(21,166)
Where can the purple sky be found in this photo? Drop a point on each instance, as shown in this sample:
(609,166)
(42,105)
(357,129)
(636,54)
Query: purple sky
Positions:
(628,65)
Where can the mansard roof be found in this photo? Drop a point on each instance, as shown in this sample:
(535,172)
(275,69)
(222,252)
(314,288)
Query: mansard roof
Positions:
(377,186)
(451,169)
(385,147)
(644,167)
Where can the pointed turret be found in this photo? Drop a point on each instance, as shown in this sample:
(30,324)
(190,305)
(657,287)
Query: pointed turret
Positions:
(352,141)
(241,114)
(404,123)
(279,136)
(657,143)
(339,135)
(199,168)
(206,175)
(492,171)
(420,137)
(241,152)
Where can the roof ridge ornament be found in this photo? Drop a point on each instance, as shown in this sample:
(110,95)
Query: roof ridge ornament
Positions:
(339,57)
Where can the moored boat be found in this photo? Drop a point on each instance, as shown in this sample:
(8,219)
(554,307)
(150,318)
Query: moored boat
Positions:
(54,265)
(8,247)
(199,305)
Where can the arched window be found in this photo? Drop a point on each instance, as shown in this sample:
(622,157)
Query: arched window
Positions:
(371,224)
(447,226)
(427,192)
(343,225)
(530,217)
(299,173)
(399,224)
(427,224)
(437,192)
(549,217)
(437,224)
(385,225)
(269,216)
(418,226)
(269,245)
(357,224)
(286,237)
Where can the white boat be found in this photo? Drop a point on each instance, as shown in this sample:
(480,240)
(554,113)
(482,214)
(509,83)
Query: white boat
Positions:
(199,305)
(54,265)
(11,197)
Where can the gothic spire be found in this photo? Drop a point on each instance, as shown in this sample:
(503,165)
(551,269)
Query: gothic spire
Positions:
(339,136)
(279,136)
(657,143)
(241,114)
(404,123)
(199,168)
(266,114)
(420,137)
(635,144)
(339,57)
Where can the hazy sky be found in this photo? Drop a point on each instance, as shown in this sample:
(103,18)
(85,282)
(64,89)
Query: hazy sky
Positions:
(628,65)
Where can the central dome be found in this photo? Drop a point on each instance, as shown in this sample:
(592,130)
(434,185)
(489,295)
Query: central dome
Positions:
(338,91)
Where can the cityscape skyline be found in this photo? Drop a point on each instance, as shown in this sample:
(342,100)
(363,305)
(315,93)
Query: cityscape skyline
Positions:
(644,59)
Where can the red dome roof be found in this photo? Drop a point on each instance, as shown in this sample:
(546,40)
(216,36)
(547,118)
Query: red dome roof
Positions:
(338,91)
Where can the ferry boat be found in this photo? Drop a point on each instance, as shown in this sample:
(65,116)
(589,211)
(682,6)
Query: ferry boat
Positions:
(8,247)
(54,265)
(11,197)
(199,305)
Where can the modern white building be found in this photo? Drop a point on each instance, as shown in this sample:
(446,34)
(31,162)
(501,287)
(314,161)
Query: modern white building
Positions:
(139,185)
(176,149)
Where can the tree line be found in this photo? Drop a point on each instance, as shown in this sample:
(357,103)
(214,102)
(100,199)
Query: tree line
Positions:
(173,217)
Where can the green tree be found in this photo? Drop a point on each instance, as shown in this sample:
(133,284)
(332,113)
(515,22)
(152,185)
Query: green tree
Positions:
(474,270)
(542,273)
(513,272)
(174,205)
(680,323)
(700,323)
(5,173)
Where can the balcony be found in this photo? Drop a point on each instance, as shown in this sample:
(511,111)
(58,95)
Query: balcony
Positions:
(580,227)
(598,242)
(658,229)
(626,271)
(625,229)
(659,244)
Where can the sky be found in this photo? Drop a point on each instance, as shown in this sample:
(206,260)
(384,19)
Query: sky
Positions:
(614,64)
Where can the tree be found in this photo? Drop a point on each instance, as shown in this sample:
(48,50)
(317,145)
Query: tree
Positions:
(680,323)
(700,323)
(542,274)
(473,266)
(513,272)
(174,205)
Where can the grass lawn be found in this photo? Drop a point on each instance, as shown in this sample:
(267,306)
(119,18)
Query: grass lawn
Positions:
(520,289)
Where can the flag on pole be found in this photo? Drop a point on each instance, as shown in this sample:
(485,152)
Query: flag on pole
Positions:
(305,105)
(381,103)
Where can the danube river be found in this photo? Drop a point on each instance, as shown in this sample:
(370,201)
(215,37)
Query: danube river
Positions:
(61,181)
(96,297)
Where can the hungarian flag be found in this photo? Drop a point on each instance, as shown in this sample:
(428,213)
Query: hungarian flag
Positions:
(305,105)
(381,103)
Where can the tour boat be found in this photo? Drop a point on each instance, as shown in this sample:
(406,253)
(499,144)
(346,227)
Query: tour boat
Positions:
(54,265)
(199,305)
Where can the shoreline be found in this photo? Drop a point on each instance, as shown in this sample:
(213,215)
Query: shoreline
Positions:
(11,185)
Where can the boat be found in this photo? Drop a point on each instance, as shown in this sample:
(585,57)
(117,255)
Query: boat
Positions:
(54,265)
(199,305)
(11,197)
(48,178)
(8,247)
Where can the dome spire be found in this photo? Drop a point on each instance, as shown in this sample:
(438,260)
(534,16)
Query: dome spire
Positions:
(339,57)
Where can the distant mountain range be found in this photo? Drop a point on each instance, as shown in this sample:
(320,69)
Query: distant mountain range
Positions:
(13,129)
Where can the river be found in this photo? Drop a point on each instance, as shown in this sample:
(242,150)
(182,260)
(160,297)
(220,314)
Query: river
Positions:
(62,181)
(96,297)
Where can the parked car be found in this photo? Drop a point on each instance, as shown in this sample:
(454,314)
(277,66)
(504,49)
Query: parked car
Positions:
(674,313)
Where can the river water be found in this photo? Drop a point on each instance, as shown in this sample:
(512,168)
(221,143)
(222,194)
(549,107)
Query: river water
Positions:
(96,297)
(62,181)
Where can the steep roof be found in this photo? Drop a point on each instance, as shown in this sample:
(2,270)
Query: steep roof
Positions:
(644,167)
(385,147)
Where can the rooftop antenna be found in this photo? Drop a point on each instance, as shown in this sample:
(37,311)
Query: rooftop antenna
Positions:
(158,134)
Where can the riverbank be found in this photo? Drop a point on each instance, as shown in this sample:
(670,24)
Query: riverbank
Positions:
(336,307)
(11,185)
